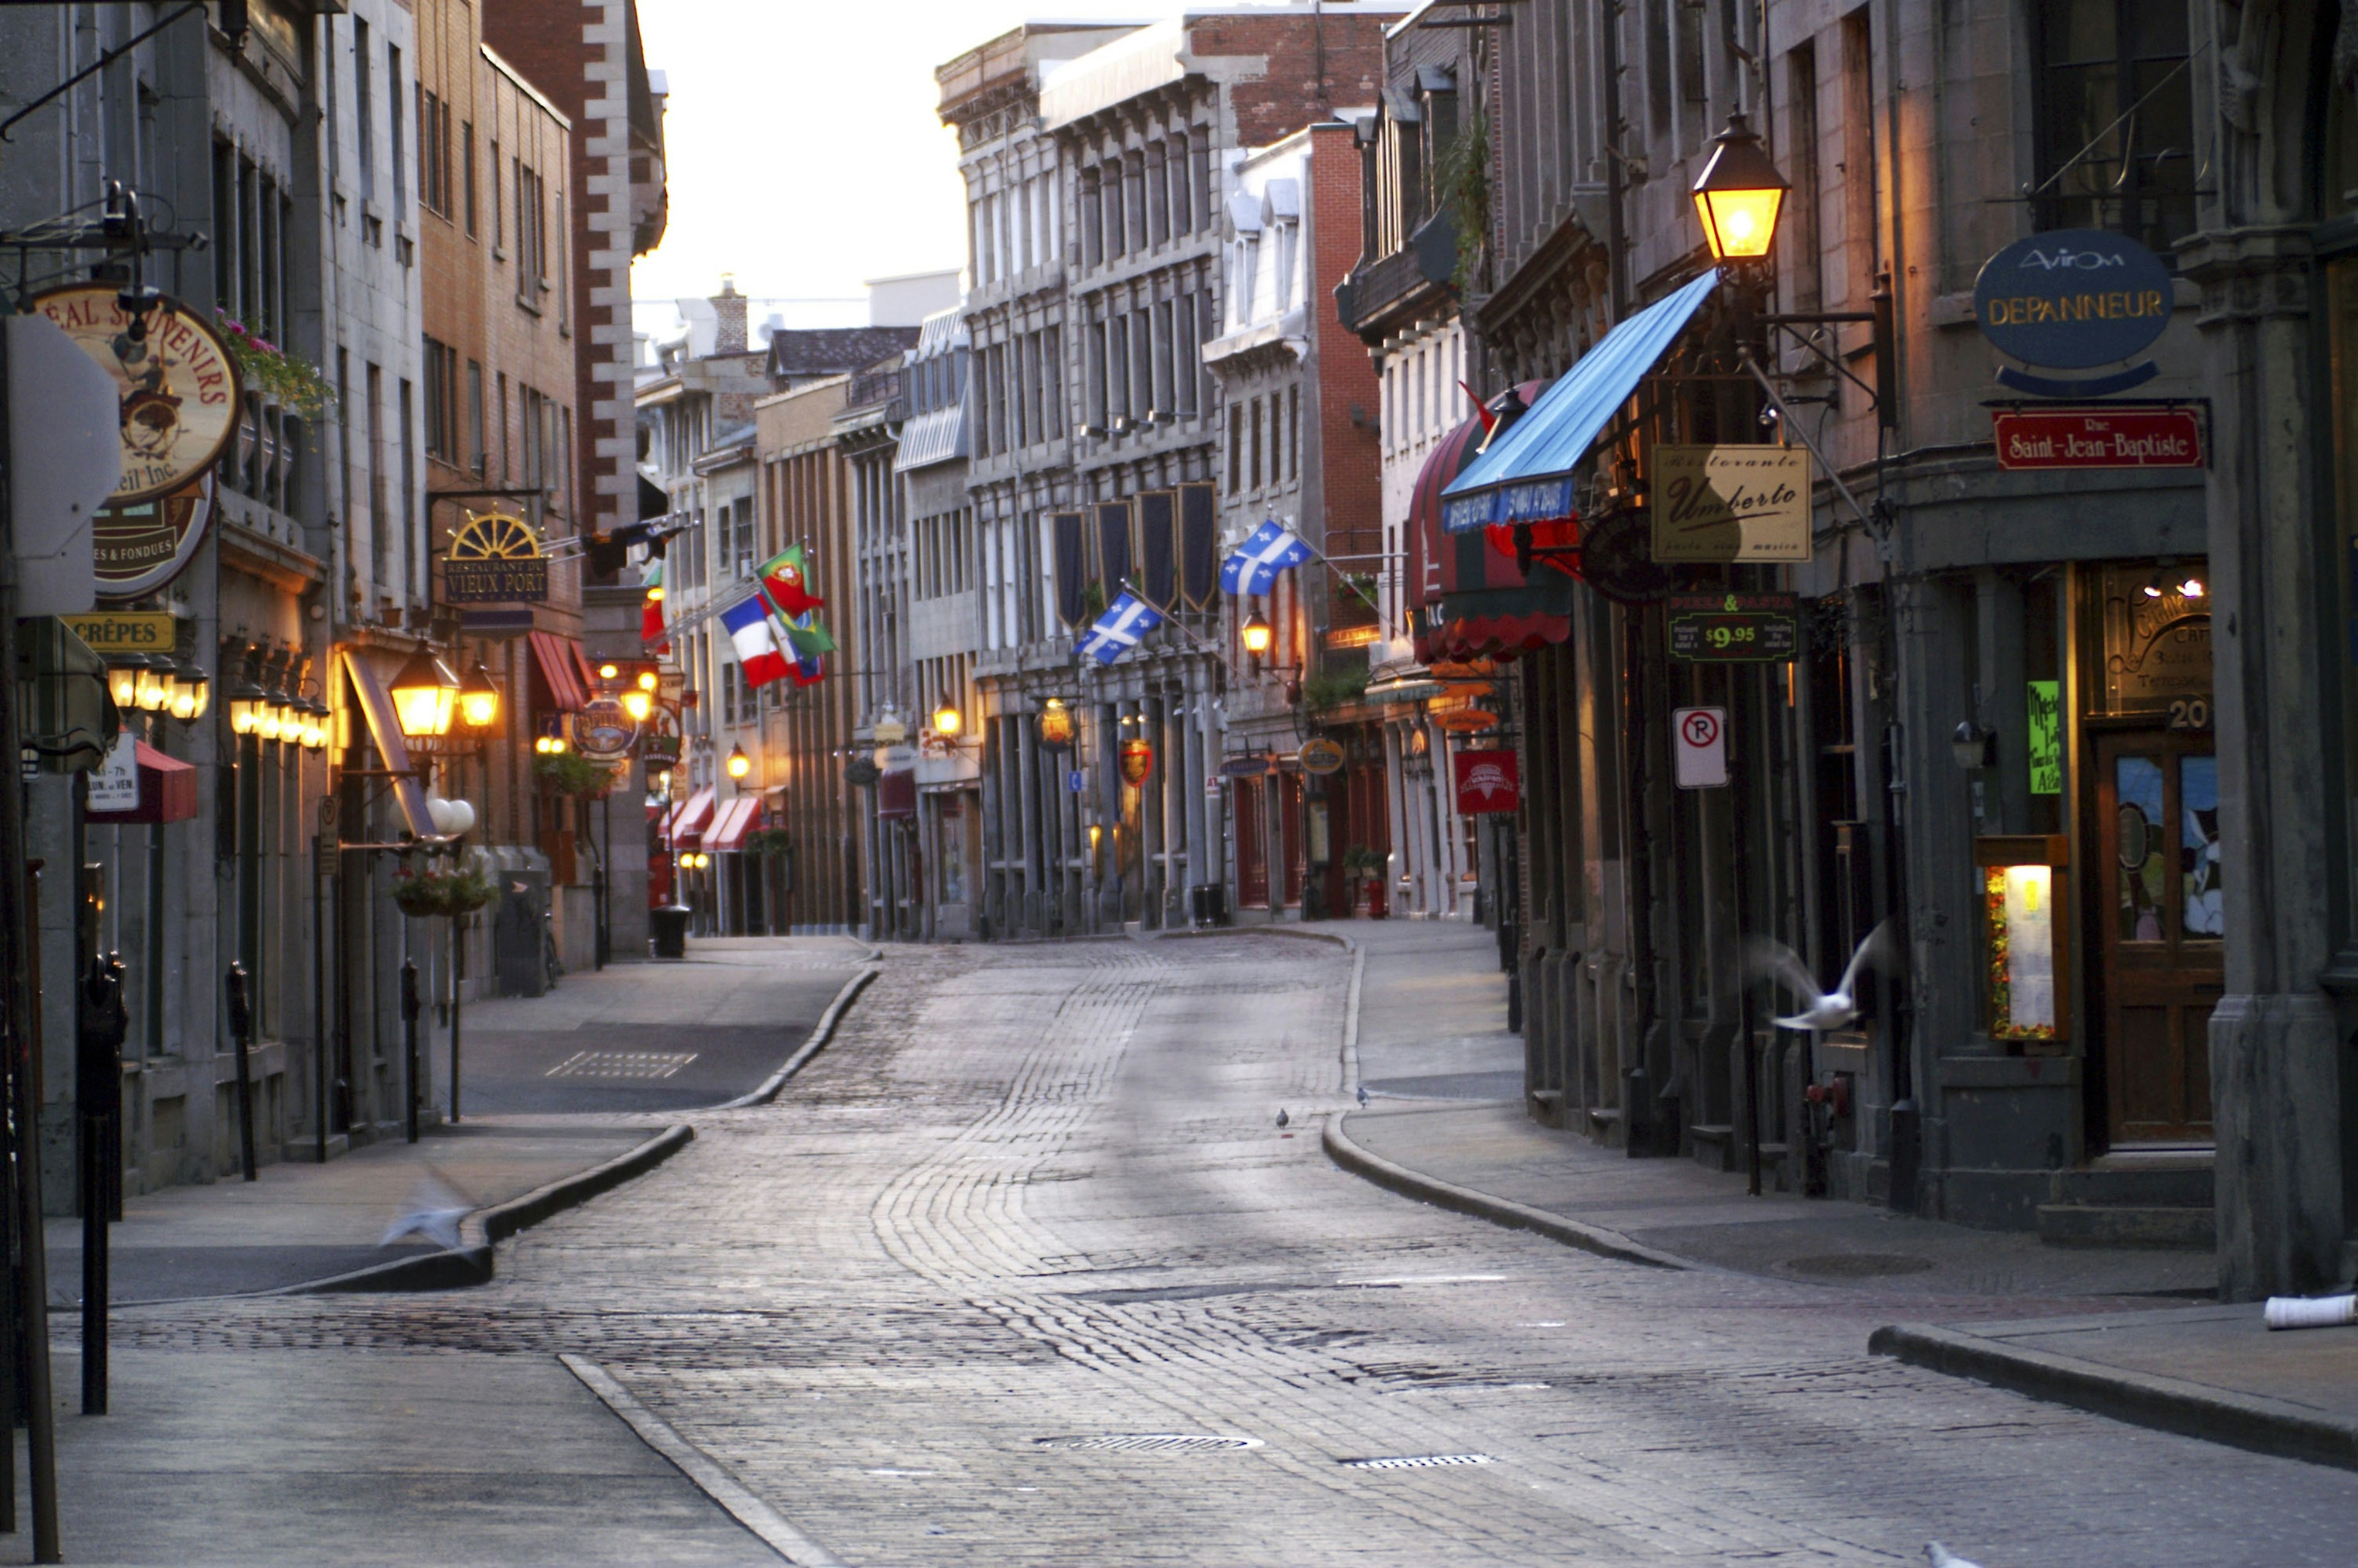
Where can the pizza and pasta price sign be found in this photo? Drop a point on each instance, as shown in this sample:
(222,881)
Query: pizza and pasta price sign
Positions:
(1733,628)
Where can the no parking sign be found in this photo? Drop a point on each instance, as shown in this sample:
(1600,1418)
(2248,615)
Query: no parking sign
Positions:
(1699,742)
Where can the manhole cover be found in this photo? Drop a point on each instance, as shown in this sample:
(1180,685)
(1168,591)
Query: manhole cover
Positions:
(1855,1265)
(621,1065)
(1417,1461)
(1149,1442)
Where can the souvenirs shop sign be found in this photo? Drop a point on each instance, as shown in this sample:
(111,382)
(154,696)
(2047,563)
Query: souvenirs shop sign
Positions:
(138,549)
(2099,438)
(1731,503)
(178,385)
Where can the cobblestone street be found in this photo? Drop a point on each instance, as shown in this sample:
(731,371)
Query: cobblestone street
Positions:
(1034,1198)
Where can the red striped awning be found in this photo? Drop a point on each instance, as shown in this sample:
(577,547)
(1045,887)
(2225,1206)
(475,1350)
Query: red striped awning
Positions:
(689,820)
(561,668)
(733,825)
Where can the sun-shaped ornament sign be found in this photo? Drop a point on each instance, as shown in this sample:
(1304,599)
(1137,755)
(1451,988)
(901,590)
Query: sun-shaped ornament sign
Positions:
(494,559)
(178,385)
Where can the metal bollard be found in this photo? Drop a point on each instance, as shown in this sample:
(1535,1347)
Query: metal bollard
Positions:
(411,1006)
(102,1022)
(241,1028)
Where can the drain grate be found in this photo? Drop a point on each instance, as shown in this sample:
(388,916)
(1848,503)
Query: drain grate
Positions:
(1417,1461)
(621,1065)
(1149,1442)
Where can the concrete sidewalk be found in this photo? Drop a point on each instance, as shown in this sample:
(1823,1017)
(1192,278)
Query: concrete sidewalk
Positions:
(2104,1329)
(298,1224)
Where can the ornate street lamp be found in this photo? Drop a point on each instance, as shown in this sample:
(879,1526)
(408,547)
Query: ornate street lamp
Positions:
(478,700)
(246,702)
(738,764)
(153,694)
(424,697)
(949,720)
(638,705)
(190,687)
(1256,635)
(122,680)
(1738,195)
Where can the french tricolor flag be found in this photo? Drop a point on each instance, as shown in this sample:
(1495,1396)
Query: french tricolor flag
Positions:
(757,641)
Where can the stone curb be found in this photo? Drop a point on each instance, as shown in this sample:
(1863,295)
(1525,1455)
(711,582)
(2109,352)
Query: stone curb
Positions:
(461,1267)
(1500,1211)
(706,1474)
(2143,1399)
(821,1033)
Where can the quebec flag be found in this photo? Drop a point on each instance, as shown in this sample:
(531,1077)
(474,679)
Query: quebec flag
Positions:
(1116,632)
(1269,550)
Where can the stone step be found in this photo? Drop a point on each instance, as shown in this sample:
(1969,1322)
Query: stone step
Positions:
(2128,1224)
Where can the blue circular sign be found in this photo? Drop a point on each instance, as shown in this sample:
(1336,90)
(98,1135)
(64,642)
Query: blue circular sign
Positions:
(2074,299)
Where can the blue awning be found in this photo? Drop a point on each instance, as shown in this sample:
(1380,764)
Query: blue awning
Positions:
(1525,476)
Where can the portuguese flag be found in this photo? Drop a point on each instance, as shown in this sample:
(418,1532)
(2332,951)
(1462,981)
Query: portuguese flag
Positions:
(783,574)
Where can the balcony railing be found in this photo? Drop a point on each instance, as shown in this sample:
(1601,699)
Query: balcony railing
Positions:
(1428,258)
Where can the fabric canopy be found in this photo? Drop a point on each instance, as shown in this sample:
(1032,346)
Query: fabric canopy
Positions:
(689,820)
(733,825)
(1525,475)
(384,729)
(1467,599)
(559,659)
(167,791)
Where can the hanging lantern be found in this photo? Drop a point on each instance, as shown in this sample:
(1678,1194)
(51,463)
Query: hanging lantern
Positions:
(122,680)
(424,697)
(1738,195)
(1137,759)
(478,700)
(1056,724)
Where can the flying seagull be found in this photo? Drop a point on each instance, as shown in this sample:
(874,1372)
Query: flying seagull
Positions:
(1281,1117)
(1944,1558)
(435,1209)
(1771,961)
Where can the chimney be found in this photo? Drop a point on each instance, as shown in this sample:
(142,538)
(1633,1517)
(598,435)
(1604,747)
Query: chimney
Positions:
(728,308)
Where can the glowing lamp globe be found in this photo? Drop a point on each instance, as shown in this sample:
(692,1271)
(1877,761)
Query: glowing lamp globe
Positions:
(1739,195)
(1256,635)
(739,764)
(949,718)
(478,700)
(424,697)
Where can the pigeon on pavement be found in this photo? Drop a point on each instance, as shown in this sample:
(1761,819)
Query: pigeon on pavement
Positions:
(435,1209)
(1363,1094)
(1282,1119)
(1767,959)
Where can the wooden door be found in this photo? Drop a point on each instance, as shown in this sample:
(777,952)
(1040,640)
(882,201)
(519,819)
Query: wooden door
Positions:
(1288,833)
(2157,884)
(1252,845)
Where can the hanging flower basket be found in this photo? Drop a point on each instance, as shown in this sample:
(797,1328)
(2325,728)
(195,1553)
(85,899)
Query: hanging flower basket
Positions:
(423,893)
(569,772)
(262,366)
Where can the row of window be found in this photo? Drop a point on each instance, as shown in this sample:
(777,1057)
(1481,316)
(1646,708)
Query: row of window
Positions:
(943,563)
(1143,198)
(458,424)
(1020,391)
(1149,360)
(1265,441)
(1017,228)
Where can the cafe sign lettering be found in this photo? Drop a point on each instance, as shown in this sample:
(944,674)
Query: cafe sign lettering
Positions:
(177,385)
(1731,503)
(139,547)
(494,559)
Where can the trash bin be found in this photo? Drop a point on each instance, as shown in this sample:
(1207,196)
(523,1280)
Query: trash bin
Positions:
(669,922)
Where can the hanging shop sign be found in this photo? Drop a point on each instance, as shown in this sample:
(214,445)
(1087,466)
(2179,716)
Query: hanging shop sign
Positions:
(177,386)
(494,559)
(1251,767)
(660,750)
(1486,781)
(114,782)
(2099,438)
(1466,721)
(1733,628)
(1699,748)
(1731,503)
(2074,299)
(1321,756)
(125,630)
(602,733)
(139,547)
(1137,759)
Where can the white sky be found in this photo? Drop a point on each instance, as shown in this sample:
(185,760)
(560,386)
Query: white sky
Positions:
(802,148)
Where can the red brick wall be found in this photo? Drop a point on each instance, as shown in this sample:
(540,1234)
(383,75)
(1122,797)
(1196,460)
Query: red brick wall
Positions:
(1353,471)
(1342,52)
(543,40)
